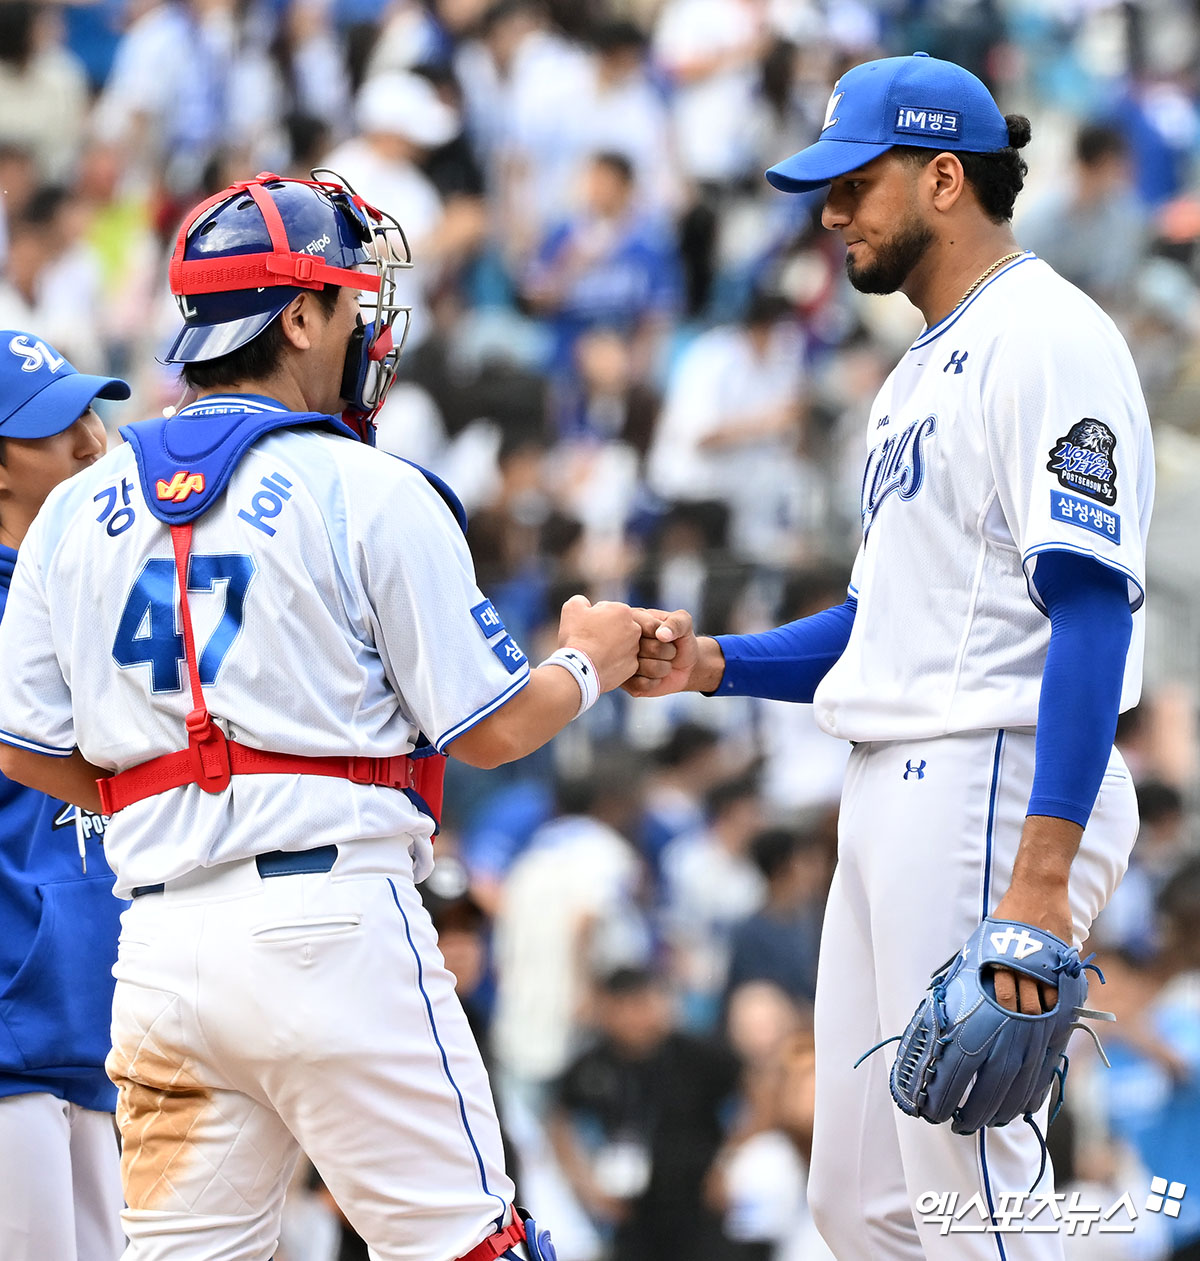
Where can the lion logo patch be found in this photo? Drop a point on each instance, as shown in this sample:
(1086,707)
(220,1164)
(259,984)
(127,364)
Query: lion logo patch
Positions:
(1084,460)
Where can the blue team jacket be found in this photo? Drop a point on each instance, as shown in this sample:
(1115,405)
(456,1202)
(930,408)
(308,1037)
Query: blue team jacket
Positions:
(58,942)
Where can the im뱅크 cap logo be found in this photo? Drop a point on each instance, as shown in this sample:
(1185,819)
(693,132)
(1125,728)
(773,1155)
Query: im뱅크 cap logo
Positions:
(929,122)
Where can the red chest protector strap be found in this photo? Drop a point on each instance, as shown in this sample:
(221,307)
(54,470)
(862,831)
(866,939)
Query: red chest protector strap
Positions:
(211,759)
(497,1245)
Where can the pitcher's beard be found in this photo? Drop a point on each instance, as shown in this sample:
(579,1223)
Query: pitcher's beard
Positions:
(893,260)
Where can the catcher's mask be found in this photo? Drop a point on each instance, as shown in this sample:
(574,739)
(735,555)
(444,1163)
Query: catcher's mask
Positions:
(244,254)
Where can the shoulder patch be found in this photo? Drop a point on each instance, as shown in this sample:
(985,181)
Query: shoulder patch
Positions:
(1084,460)
(1085,515)
(487,619)
(510,655)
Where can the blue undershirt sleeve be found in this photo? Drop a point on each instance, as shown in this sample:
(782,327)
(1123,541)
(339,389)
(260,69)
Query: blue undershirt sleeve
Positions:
(787,663)
(1090,628)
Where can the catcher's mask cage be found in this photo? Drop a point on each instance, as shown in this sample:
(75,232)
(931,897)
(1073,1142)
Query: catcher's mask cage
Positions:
(244,254)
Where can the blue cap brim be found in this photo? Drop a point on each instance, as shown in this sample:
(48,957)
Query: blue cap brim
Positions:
(198,343)
(60,404)
(822,162)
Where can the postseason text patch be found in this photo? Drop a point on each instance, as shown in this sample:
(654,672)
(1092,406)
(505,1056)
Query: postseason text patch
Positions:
(929,122)
(1085,515)
(1084,460)
(487,619)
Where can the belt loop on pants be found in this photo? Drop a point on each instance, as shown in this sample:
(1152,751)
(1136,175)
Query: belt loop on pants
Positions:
(275,863)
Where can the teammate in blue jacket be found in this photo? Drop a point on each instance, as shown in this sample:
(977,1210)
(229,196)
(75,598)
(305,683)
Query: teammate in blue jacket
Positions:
(60,1185)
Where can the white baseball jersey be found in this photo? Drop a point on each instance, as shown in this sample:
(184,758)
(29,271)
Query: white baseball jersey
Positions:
(335,613)
(1013,427)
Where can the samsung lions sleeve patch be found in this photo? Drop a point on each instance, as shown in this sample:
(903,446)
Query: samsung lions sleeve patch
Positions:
(1084,460)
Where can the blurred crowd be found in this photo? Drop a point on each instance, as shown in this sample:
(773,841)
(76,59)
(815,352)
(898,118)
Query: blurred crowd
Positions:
(645,374)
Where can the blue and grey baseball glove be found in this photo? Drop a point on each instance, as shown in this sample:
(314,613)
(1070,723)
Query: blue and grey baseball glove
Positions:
(966,1059)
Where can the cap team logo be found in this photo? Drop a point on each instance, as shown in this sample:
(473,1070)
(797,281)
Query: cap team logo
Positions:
(1084,460)
(36,355)
(180,486)
(830,119)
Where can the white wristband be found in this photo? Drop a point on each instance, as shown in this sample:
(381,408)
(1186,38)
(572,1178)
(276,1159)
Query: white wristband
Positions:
(581,668)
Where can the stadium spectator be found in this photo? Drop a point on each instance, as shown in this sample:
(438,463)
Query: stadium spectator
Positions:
(1129,921)
(780,941)
(710,884)
(686,764)
(283,78)
(519,79)
(1093,230)
(637,1121)
(624,112)
(762,1173)
(400,118)
(165,101)
(570,912)
(52,275)
(1151,1095)
(711,49)
(43,89)
(732,429)
(608,266)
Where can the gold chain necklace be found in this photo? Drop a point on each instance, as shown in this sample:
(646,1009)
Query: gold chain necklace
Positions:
(1008,258)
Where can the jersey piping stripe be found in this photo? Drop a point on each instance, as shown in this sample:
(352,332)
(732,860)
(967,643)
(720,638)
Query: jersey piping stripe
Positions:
(462,1103)
(993,793)
(480,714)
(240,402)
(226,408)
(23,742)
(944,325)
(1115,566)
(987,1190)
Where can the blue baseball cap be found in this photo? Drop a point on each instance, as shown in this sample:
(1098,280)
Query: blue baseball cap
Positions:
(40,393)
(917,100)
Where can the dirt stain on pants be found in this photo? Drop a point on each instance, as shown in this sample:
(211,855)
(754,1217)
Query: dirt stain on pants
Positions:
(159,1105)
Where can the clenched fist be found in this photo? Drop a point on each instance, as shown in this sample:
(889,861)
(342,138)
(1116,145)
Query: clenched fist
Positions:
(670,658)
(608,632)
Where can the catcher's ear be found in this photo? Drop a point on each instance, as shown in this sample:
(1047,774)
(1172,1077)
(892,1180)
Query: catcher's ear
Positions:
(296,321)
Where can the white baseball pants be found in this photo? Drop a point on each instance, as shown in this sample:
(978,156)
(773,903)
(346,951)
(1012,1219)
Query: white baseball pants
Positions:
(927,838)
(257,1017)
(60,1182)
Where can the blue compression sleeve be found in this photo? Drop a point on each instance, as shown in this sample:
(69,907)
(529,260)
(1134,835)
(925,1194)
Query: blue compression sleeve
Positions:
(787,663)
(1090,627)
